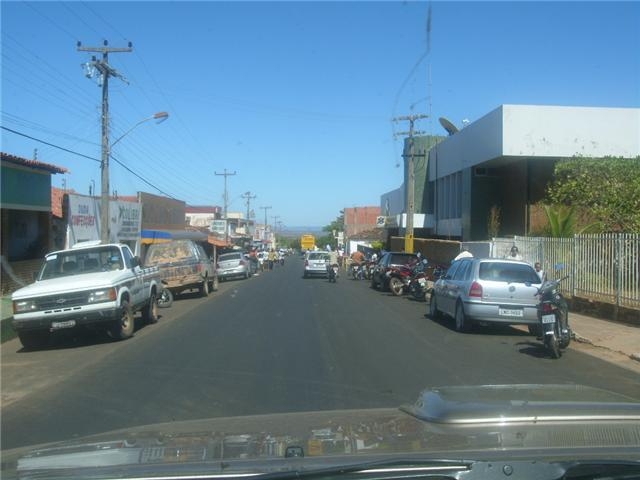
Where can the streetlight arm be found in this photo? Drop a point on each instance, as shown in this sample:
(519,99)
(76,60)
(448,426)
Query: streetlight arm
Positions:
(160,116)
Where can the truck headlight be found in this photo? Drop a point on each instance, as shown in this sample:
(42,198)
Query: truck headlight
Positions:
(21,306)
(105,295)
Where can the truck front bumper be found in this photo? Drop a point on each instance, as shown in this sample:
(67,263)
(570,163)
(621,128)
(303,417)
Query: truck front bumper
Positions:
(63,320)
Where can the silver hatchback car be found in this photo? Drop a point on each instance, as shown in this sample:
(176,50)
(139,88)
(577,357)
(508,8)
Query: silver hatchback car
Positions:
(488,290)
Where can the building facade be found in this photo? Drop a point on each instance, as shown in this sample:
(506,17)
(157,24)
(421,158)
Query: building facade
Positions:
(506,159)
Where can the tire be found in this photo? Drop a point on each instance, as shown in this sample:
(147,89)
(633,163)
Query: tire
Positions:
(419,294)
(125,325)
(462,322)
(396,286)
(551,341)
(374,285)
(34,339)
(165,300)
(563,321)
(204,288)
(434,313)
(150,312)
(215,284)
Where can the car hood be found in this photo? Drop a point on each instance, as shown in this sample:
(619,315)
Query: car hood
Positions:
(75,282)
(489,422)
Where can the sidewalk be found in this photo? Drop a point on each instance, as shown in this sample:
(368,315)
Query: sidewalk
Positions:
(614,336)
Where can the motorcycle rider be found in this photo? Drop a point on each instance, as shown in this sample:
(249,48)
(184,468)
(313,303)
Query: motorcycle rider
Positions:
(357,259)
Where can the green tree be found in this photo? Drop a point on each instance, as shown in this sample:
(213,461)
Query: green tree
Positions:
(607,189)
(562,220)
(337,224)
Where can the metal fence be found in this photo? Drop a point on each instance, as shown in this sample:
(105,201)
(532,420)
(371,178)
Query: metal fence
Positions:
(600,267)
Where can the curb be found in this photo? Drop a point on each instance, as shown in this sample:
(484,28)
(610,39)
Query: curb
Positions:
(580,339)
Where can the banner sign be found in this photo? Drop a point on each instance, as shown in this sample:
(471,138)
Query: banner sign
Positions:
(84,220)
(219,227)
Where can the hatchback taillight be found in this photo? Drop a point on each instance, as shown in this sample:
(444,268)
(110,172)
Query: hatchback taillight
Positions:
(475,290)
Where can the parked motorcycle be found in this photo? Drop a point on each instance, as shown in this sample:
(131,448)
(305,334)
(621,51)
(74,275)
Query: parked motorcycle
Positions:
(553,314)
(418,286)
(165,299)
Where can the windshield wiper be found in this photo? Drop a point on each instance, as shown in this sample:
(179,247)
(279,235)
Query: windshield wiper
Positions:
(470,470)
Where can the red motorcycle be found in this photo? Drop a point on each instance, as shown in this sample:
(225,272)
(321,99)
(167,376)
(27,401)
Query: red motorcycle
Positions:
(410,278)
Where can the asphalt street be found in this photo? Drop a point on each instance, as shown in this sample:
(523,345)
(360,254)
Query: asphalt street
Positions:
(271,344)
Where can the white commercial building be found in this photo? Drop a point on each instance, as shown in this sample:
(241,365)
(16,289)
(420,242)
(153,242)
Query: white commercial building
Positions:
(507,158)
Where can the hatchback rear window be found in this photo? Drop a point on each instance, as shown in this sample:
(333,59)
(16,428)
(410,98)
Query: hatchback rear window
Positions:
(508,272)
(318,256)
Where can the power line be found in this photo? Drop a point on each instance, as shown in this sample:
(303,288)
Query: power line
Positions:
(119,162)
(50,144)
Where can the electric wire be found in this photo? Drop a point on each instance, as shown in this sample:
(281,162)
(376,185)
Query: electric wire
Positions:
(119,162)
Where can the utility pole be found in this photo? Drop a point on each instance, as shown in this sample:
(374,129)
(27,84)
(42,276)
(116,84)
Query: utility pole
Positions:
(226,202)
(410,201)
(265,220)
(106,71)
(248,197)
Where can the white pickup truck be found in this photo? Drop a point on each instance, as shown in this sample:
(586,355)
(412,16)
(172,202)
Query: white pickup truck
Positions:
(90,285)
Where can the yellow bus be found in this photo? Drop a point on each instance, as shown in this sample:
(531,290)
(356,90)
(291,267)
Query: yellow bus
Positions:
(307,242)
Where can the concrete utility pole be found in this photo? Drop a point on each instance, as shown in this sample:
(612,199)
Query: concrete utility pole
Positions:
(265,220)
(410,210)
(248,197)
(226,201)
(106,71)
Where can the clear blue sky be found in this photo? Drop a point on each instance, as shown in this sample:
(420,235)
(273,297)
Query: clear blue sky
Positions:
(296,97)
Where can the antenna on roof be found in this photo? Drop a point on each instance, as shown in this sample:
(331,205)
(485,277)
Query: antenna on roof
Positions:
(448,126)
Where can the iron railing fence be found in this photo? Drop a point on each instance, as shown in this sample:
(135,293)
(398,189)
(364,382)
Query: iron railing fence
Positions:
(602,267)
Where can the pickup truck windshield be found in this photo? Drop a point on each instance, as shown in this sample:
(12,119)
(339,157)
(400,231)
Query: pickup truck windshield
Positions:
(99,259)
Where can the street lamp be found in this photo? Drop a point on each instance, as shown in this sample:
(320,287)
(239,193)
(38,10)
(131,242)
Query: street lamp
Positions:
(106,153)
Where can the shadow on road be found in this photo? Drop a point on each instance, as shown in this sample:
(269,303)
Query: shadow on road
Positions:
(533,349)
(477,329)
(81,337)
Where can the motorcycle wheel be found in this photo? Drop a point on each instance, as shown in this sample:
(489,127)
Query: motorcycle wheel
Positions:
(165,300)
(396,287)
(562,320)
(551,342)
(419,294)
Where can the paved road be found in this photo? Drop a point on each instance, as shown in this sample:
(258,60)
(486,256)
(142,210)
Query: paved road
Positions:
(273,343)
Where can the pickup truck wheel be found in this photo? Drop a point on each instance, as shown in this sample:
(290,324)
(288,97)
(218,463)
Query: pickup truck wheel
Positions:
(150,312)
(33,340)
(204,288)
(124,327)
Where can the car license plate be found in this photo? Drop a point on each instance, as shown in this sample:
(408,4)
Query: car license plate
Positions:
(548,319)
(510,312)
(67,324)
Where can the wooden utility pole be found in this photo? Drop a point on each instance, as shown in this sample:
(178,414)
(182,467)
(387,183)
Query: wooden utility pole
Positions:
(248,197)
(106,71)
(226,202)
(411,180)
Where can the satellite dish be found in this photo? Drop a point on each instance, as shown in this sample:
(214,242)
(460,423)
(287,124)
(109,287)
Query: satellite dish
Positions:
(448,126)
